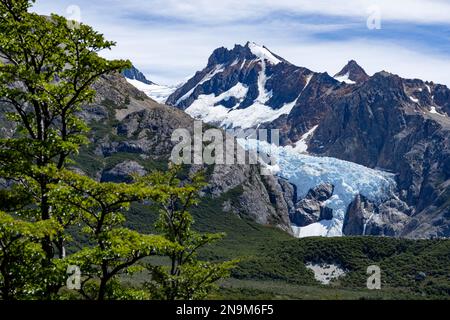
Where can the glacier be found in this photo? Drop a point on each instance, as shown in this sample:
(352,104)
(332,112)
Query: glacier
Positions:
(307,171)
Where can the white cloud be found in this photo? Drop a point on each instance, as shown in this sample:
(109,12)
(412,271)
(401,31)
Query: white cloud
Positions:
(206,11)
(169,52)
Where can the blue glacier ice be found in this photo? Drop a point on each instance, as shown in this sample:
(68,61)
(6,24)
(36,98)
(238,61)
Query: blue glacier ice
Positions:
(307,171)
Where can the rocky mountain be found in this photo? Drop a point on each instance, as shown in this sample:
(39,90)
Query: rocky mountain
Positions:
(380,121)
(396,124)
(135,74)
(132,134)
(352,73)
(242,87)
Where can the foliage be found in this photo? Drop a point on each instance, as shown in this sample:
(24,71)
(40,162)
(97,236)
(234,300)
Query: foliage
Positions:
(113,249)
(47,67)
(21,257)
(186,277)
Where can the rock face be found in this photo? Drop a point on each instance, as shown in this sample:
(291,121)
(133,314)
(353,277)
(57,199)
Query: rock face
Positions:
(123,172)
(353,72)
(385,123)
(313,208)
(366,218)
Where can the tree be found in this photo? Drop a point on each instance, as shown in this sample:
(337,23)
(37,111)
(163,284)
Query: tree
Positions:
(186,277)
(113,249)
(20,256)
(47,67)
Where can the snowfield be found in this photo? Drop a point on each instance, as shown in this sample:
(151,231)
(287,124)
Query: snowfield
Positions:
(306,172)
(157,92)
(206,109)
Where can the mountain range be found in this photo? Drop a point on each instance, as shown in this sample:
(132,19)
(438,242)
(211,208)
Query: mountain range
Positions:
(378,129)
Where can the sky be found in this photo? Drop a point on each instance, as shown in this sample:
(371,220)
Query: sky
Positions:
(169,40)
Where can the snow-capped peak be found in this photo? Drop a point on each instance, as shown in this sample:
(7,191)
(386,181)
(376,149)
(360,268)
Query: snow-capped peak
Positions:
(263,53)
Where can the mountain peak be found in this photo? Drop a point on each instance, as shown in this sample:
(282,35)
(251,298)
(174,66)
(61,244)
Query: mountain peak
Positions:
(352,73)
(263,53)
(134,74)
(249,51)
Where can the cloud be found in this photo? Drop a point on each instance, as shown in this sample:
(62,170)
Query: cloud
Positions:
(225,11)
(170,40)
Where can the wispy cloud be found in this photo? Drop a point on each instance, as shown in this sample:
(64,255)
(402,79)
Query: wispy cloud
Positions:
(171,39)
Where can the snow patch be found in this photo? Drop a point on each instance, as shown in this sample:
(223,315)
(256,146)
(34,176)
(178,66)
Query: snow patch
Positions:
(345,78)
(263,95)
(205,108)
(157,92)
(302,145)
(434,111)
(308,80)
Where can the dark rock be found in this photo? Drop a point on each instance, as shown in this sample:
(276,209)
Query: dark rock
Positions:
(312,209)
(354,72)
(364,217)
(421,276)
(321,193)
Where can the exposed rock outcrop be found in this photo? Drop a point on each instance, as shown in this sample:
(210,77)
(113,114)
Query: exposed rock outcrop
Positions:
(353,72)
(313,208)
(366,218)
(123,172)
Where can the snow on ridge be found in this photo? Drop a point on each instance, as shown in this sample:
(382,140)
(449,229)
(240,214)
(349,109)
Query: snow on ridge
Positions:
(205,108)
(262,53)
(308,80)
(307,172)
(157,92)
(218,69)
(345,78)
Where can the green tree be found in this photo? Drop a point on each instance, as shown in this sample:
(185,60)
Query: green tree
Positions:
(186,277)
(113,249)
(47,67)
(20,254)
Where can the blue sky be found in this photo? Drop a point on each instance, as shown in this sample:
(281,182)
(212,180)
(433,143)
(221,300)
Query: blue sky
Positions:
(169,40)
